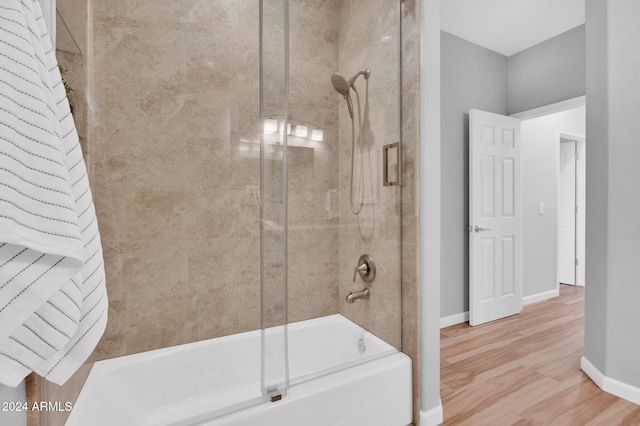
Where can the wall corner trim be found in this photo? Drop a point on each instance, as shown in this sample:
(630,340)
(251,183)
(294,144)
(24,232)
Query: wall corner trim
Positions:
(432,417)
(609,385)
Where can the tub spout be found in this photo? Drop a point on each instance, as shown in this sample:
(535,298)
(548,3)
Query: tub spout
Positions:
(354,295)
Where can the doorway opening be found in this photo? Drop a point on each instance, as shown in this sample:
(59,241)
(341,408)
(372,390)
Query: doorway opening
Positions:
(571,209)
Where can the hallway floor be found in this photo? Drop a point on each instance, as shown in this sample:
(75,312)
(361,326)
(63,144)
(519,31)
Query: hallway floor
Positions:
(525,370)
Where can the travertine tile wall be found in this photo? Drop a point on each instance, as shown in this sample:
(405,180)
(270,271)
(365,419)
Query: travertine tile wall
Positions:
(176,92)
(369,39)
(313,167)
(173,95)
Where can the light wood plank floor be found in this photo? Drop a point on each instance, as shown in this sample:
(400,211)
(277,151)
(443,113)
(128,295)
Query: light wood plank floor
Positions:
(525,370)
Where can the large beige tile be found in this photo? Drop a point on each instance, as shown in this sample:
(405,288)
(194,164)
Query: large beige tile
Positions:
(221,65)
(108,8)
(224,262)
(155,52)
(182,317)
(314,42)
(312,251)
(113,269)
(312,296)
(309,209)
(143,159)
(109,203)
(113,342)
(225,213)
(153,267)
(326,12)
(169,107)
(155,214)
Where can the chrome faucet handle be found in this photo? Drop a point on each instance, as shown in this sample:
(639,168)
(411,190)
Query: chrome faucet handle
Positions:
(366,268)
(363,268)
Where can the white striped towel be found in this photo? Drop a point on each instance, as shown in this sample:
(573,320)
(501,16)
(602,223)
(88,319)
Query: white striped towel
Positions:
(53,303)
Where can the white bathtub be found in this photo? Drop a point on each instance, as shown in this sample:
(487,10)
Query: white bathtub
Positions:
(217,382)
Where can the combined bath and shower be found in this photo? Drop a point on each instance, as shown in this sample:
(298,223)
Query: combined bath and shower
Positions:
(344,86)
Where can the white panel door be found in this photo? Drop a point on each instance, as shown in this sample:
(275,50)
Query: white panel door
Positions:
(495,217)
(567,214)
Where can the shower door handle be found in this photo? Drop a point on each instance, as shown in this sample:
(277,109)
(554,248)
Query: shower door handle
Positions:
(392,164)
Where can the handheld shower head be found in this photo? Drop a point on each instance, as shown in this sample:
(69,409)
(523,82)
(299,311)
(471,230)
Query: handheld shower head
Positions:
(343,86)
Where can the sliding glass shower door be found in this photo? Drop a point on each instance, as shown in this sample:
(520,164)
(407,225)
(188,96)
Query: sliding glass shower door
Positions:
(274,63)
(330,156)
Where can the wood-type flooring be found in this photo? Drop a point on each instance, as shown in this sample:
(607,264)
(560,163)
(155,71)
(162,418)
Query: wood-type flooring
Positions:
(525,370)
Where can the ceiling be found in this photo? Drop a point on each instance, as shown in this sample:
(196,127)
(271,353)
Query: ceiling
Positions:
(510,26)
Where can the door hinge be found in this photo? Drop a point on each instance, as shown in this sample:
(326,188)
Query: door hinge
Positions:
(576,262)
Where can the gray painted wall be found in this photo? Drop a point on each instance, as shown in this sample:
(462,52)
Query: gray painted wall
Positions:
(597,183)
(540,151)
(475,77)
(548,72)
(623,254)
(429,211)
(471,77)
(613,205)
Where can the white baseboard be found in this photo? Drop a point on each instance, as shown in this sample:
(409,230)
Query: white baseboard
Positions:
(609,385)
(454,319)
(540,296)
(433,417)
(464,316)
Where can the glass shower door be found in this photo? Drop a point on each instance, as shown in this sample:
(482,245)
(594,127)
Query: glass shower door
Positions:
(274,62)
